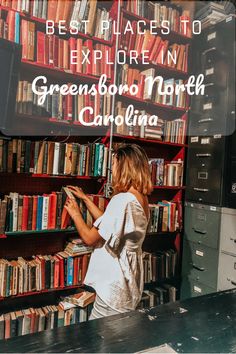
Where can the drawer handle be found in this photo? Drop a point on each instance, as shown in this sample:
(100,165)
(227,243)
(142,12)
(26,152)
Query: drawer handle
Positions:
(233,239)
(201,189)
(203,232)
(205,120)
(203,155)
(208,50)
(198,268)
(232,282)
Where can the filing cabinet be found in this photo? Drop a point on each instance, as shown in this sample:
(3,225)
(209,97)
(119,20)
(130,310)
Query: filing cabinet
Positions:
(209,250)
(211,170)
(205,179)
(209,245)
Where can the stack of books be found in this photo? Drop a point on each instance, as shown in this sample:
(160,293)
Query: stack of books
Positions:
(21,276)
(214,12)
(160,265)
(76,247)
(166,173)
(53,158)
(81,299)
(32,320)
(164,216)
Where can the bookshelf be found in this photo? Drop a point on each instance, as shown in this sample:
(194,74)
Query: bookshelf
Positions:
(30,183)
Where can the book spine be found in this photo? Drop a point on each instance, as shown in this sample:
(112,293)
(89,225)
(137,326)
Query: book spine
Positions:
(45,212)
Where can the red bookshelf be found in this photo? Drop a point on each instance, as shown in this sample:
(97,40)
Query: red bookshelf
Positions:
(42,183)
(58,74)
(170,187)
(46,242)
(136,139)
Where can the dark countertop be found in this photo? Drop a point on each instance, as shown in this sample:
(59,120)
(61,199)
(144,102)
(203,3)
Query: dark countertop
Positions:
(203,324)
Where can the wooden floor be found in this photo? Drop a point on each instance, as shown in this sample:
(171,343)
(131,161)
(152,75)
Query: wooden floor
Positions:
(203,324)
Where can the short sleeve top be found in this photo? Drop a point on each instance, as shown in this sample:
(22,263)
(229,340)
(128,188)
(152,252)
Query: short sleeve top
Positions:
(116,269)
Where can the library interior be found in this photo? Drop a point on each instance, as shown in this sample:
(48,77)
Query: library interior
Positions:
(117,176)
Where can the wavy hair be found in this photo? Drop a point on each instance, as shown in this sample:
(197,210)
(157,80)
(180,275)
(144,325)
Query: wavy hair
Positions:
(132,170)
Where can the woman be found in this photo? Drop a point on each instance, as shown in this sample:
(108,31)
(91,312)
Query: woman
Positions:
(116,269)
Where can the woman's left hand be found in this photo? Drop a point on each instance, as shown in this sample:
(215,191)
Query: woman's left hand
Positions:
(72,208)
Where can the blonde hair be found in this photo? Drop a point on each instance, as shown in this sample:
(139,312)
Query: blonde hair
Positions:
(132,170)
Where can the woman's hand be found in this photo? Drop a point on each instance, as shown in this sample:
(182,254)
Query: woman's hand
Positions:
(72,208)
(78,192)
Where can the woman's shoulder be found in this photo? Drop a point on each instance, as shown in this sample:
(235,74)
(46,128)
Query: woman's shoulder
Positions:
(122,199)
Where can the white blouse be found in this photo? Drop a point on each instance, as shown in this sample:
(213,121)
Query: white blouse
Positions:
(116,269)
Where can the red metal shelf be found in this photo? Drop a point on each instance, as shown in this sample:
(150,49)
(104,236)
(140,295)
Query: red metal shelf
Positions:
(56,73)
(41,292)
(87,178)
(38,232)
(161,108)
(73,125)
(169,187)
(42,22)
(148,141)
(172,36)
(44,175)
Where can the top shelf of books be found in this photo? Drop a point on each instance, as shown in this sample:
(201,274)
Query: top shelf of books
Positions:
(64,17)
(168,21)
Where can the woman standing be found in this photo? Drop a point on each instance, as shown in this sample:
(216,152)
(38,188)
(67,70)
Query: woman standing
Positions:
(116,267)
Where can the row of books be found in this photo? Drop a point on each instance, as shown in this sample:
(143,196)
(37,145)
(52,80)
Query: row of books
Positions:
(22,276)
(160,265)
(53,158)
(66,11)
(60,107)
(33,320)
(67,54)
(54,51)
(158,296)
(40,212)
(164,216)
(165,130)
(157,93)
(159,13)
(166,173)
(154,48)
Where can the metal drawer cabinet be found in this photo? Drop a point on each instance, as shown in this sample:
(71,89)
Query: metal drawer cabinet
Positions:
(193,288)
(200,263)
(202,224)
(204,185)
(227,272)
(228,231)
(209,124)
